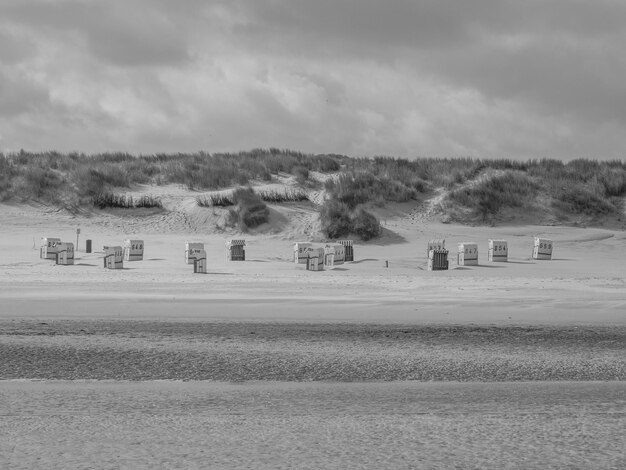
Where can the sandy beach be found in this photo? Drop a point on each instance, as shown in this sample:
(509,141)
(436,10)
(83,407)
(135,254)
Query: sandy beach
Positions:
(583,283)
(135,135)
(370,364)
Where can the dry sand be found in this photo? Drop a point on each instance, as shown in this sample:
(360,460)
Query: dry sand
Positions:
(523,320)
(584,283)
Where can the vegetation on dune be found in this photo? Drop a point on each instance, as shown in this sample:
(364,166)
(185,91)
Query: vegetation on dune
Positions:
(580,200)
(578,188)
(274,196)
(339,220)
(422,173)
(477,190)
(76,176)
(287,195)
(512,189)
(215,200)
(344,213)
(582,186)
(354,188)
(122,201)
(249,211)
(302,174)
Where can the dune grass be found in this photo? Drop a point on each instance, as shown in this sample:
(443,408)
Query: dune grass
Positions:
(123,201)
(215,200)
(27,175)
(512,189)
(484,189)
(274,196)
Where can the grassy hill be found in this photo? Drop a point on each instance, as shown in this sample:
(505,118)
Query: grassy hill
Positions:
(460,190)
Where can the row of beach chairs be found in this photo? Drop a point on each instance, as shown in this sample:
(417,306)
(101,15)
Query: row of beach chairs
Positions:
(467,254)
(315,257)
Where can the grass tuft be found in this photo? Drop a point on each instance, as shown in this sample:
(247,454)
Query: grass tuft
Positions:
(122,201)
(287,195)
(215,200)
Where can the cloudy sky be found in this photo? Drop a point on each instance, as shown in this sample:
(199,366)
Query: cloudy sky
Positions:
(405,78)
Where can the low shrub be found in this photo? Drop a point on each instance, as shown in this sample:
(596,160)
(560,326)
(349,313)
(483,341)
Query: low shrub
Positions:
(358,188)
(110,174)
(339,220)
(488,198)
(365,224)
(250,210)
(325,163)
(43,184)
(279,163)
(613,180)
(7,176)
(301,173)
(578,200)
(335,217)
(89,182)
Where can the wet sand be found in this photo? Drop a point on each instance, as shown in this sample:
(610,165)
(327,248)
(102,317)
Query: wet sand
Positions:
(145,425)
(344,352)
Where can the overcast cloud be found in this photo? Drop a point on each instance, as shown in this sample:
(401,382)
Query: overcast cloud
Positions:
(407,78)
